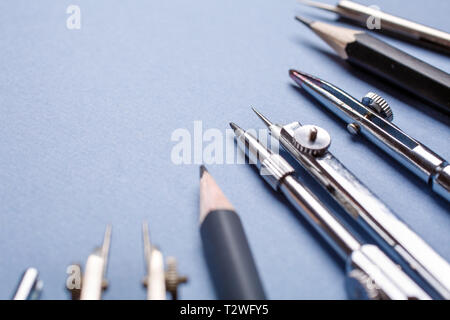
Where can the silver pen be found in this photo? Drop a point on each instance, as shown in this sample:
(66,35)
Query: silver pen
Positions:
(30,287)
(373,118)
(370,273)
(404,28)
(94,282)
(308,144)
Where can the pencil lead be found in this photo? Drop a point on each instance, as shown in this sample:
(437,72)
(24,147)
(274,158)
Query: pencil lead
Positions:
(263,118)
(306,22)
(202,170)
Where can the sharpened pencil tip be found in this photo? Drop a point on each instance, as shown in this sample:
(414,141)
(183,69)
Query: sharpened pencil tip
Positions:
(211,196)
(202,170)
(306,22)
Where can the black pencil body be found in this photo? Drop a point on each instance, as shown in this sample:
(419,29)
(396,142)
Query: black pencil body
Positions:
(419,78)
(229,258)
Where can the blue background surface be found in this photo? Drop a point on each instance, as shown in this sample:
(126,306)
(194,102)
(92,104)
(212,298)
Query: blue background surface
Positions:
(85,136)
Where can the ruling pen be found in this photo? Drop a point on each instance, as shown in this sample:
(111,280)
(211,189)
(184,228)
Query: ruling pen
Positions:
(309,145)
(227,252)
(370,273)
(375,56)
(372,117)
(405,29)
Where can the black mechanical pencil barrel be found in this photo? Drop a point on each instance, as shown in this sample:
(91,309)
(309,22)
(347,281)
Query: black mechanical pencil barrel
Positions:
(227,252)
(359,48)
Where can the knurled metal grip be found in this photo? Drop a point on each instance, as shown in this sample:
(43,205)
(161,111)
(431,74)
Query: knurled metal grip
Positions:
(311,140)
(378,105)
(274,168)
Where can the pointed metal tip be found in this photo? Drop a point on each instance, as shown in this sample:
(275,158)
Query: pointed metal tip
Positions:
(319,5)
(145,233)
(306,22)
(144,226)
(263,118)
(107,239)
(299,77)
(105,247)
(202,170)
(108,232)
(147,243)
(295,75)
(237,130)
(234,126)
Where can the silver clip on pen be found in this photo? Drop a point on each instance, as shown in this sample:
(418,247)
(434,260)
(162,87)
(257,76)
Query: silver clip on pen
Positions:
(373,118)
(308,145)
(94,281)
(30,287)
(370,273)
(155,280)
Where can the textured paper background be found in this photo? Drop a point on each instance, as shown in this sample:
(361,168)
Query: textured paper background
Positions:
(86,119)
